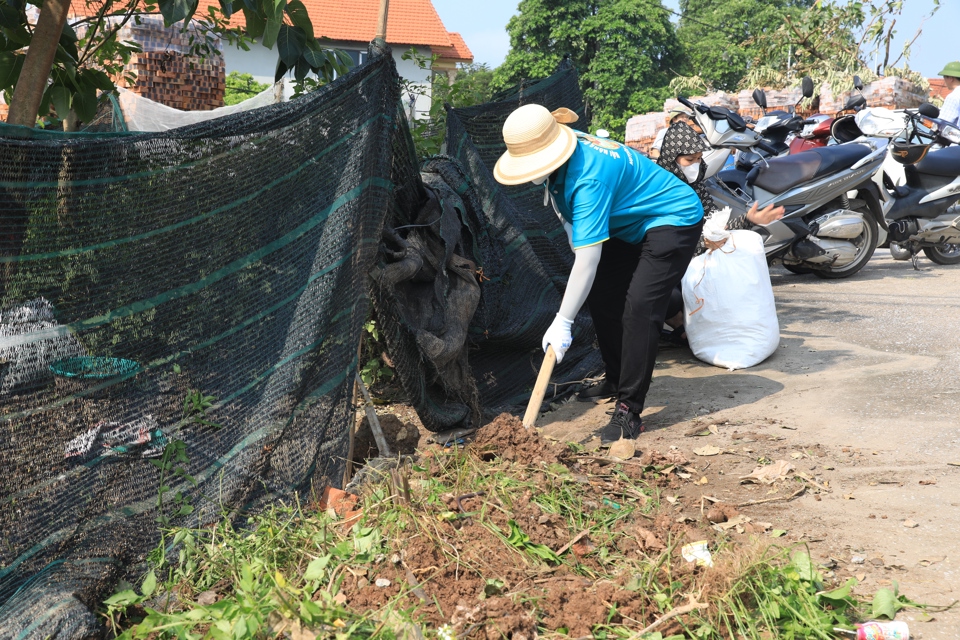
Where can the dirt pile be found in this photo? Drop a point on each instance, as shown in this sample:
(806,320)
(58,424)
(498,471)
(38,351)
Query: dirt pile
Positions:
(506,438)
(512,513)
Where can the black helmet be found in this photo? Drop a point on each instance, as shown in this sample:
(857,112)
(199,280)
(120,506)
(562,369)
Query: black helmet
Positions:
(845,129)
(908,152)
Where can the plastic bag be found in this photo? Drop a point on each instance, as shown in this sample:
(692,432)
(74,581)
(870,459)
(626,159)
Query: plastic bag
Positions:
(730,314)
(30,341)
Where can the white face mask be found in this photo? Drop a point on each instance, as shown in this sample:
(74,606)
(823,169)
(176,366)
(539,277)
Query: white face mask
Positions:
(691,172)
(540,181)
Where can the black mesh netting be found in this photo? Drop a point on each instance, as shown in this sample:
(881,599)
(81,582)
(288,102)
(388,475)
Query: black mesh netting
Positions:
(518,252)
(232,260)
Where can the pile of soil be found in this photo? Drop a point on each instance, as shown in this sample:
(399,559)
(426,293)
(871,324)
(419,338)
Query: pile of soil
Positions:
(506,438)
(465,575)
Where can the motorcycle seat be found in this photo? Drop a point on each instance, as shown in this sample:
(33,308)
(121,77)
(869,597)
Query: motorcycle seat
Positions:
(784,173)
(942,162)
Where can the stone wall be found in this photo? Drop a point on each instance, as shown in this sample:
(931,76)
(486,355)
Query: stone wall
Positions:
(890,92)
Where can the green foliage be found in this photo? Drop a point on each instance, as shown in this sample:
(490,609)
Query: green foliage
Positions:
(471,86)
(773,599)
(622,50)
(282,571)
(90,54)
(830,42)
(172,468)
(519,540)
(240,87)
(718,36)
(195,408)
(374,369)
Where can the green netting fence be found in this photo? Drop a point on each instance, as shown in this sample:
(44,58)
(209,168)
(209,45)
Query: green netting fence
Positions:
(229,266)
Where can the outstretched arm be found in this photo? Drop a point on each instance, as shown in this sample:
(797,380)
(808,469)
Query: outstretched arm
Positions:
(578,287)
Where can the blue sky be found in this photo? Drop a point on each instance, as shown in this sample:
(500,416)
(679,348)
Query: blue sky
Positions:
(483,27)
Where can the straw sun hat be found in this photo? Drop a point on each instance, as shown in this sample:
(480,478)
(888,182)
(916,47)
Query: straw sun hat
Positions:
(538,143)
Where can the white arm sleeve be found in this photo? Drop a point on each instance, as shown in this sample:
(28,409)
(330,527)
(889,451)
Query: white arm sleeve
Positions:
(581,280)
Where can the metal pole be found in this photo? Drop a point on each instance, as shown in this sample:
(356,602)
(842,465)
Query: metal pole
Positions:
(382,446)
(382,20)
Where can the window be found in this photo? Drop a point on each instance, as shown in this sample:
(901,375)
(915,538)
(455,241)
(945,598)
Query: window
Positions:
(358,57)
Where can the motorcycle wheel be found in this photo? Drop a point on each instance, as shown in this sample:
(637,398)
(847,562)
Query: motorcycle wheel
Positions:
(866,243)
(797,269)
(946,254)
(899,252)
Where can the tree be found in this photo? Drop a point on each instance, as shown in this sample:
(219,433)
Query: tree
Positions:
(64,64)
(718,36)
(624,50)
(832,41)
(240,87)
(471,85)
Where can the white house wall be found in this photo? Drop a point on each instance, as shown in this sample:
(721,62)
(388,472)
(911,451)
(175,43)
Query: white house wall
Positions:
(261,63)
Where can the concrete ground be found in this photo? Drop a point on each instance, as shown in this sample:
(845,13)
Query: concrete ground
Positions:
(863,396)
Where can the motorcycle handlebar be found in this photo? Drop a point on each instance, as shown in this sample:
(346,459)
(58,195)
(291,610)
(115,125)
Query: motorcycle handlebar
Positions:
(808,121)
(766,147)
(685,102)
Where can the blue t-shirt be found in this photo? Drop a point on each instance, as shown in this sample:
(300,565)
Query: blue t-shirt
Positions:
(611,191)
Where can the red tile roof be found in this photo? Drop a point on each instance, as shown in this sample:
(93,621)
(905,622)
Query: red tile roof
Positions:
(459,51)
(937,88)
(409,22)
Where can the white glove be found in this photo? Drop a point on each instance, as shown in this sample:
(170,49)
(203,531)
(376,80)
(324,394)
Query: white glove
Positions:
(569,229)
(559,336)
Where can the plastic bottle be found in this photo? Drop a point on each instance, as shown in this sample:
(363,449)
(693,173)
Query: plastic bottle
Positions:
(895,630)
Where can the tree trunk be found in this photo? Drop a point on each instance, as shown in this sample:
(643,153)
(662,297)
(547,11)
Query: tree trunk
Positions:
(36,67)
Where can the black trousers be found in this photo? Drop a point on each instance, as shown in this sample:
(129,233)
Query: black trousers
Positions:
(628,303)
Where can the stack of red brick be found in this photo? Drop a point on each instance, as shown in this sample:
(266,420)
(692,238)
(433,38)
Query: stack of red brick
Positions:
(180,81)
(167,73)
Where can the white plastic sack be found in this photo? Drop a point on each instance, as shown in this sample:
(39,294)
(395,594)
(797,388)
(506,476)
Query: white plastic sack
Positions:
(730,315)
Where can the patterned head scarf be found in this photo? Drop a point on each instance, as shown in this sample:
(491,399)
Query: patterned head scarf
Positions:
(682,140)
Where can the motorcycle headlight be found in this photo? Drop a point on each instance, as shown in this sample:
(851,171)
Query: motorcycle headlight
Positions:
(952,134)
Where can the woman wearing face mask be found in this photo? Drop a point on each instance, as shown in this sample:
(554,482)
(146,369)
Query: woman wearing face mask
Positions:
(682,155)
(633,227)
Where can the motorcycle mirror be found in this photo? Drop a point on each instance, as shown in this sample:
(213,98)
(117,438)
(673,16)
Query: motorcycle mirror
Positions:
(760,98)
(929,110)
(857,83)
(854,102)
(806,87)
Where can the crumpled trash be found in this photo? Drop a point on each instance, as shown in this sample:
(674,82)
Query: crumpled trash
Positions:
(140,438)
(697,552)
(768,474)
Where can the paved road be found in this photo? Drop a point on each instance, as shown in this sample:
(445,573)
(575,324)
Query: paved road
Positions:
(866,381)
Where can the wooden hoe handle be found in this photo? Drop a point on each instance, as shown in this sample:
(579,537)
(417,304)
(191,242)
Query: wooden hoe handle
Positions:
(540,388)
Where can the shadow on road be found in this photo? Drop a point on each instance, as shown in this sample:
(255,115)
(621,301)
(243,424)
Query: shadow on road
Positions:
(682,399)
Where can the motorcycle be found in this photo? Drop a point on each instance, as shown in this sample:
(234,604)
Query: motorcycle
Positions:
(923,213)
(830,194)
(818,129)
(779,126)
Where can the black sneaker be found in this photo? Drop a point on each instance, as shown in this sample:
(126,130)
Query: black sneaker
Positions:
(674,338)
(623,424)
(605,389)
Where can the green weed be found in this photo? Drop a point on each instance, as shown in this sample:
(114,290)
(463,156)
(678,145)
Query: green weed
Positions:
(296,572)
